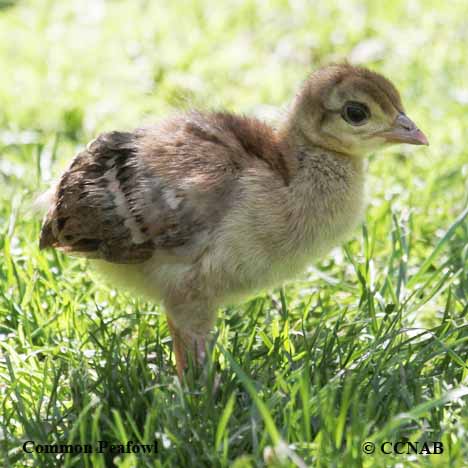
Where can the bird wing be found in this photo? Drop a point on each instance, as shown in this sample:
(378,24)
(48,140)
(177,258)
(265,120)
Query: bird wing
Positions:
(130,193)
(90,214)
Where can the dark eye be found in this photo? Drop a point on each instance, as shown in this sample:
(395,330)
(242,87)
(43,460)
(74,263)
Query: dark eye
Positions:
(355,113)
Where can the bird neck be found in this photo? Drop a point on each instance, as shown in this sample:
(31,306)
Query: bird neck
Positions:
(326,196)
(311,156)
(327,172)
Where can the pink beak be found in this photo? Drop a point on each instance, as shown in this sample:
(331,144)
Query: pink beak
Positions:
(404,130)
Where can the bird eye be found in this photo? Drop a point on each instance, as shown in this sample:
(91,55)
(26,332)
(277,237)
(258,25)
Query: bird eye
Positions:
(355,113)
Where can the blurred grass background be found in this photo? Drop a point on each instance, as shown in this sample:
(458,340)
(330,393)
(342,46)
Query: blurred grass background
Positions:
(77,357)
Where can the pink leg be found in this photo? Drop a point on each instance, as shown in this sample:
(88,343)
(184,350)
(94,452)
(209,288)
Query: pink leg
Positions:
(185,345)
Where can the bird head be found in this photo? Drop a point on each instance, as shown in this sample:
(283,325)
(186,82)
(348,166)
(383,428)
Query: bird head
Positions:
(352,110)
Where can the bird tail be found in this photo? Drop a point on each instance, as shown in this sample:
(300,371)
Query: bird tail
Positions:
(42,202)
(41,207)
(48,238)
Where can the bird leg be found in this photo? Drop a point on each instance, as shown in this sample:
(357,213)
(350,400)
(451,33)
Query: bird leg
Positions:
(186,346)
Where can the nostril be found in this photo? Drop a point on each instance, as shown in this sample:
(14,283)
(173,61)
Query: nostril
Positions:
(403,121)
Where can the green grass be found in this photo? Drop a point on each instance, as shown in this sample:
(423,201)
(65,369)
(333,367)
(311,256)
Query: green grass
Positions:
(371,346)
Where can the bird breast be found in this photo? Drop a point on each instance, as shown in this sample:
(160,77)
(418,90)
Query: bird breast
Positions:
(275,231)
